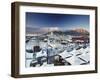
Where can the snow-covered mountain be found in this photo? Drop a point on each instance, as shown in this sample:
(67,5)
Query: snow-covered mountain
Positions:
(57,31)
(75,32)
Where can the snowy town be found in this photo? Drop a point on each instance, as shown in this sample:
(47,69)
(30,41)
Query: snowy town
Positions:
(56,48)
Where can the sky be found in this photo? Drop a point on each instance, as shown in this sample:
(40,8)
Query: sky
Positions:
(57,21)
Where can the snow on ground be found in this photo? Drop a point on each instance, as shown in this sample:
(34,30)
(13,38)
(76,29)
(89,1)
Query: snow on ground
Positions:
(71,54)
(66,54)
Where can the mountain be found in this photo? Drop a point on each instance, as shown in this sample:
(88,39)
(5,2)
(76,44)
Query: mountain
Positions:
(81,30)
(31,30)
(34,30)
(75,32)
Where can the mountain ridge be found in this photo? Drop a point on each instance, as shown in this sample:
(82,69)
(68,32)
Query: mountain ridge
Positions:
(73,32)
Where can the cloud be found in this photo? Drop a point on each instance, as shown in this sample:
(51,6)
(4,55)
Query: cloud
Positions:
(51,29)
